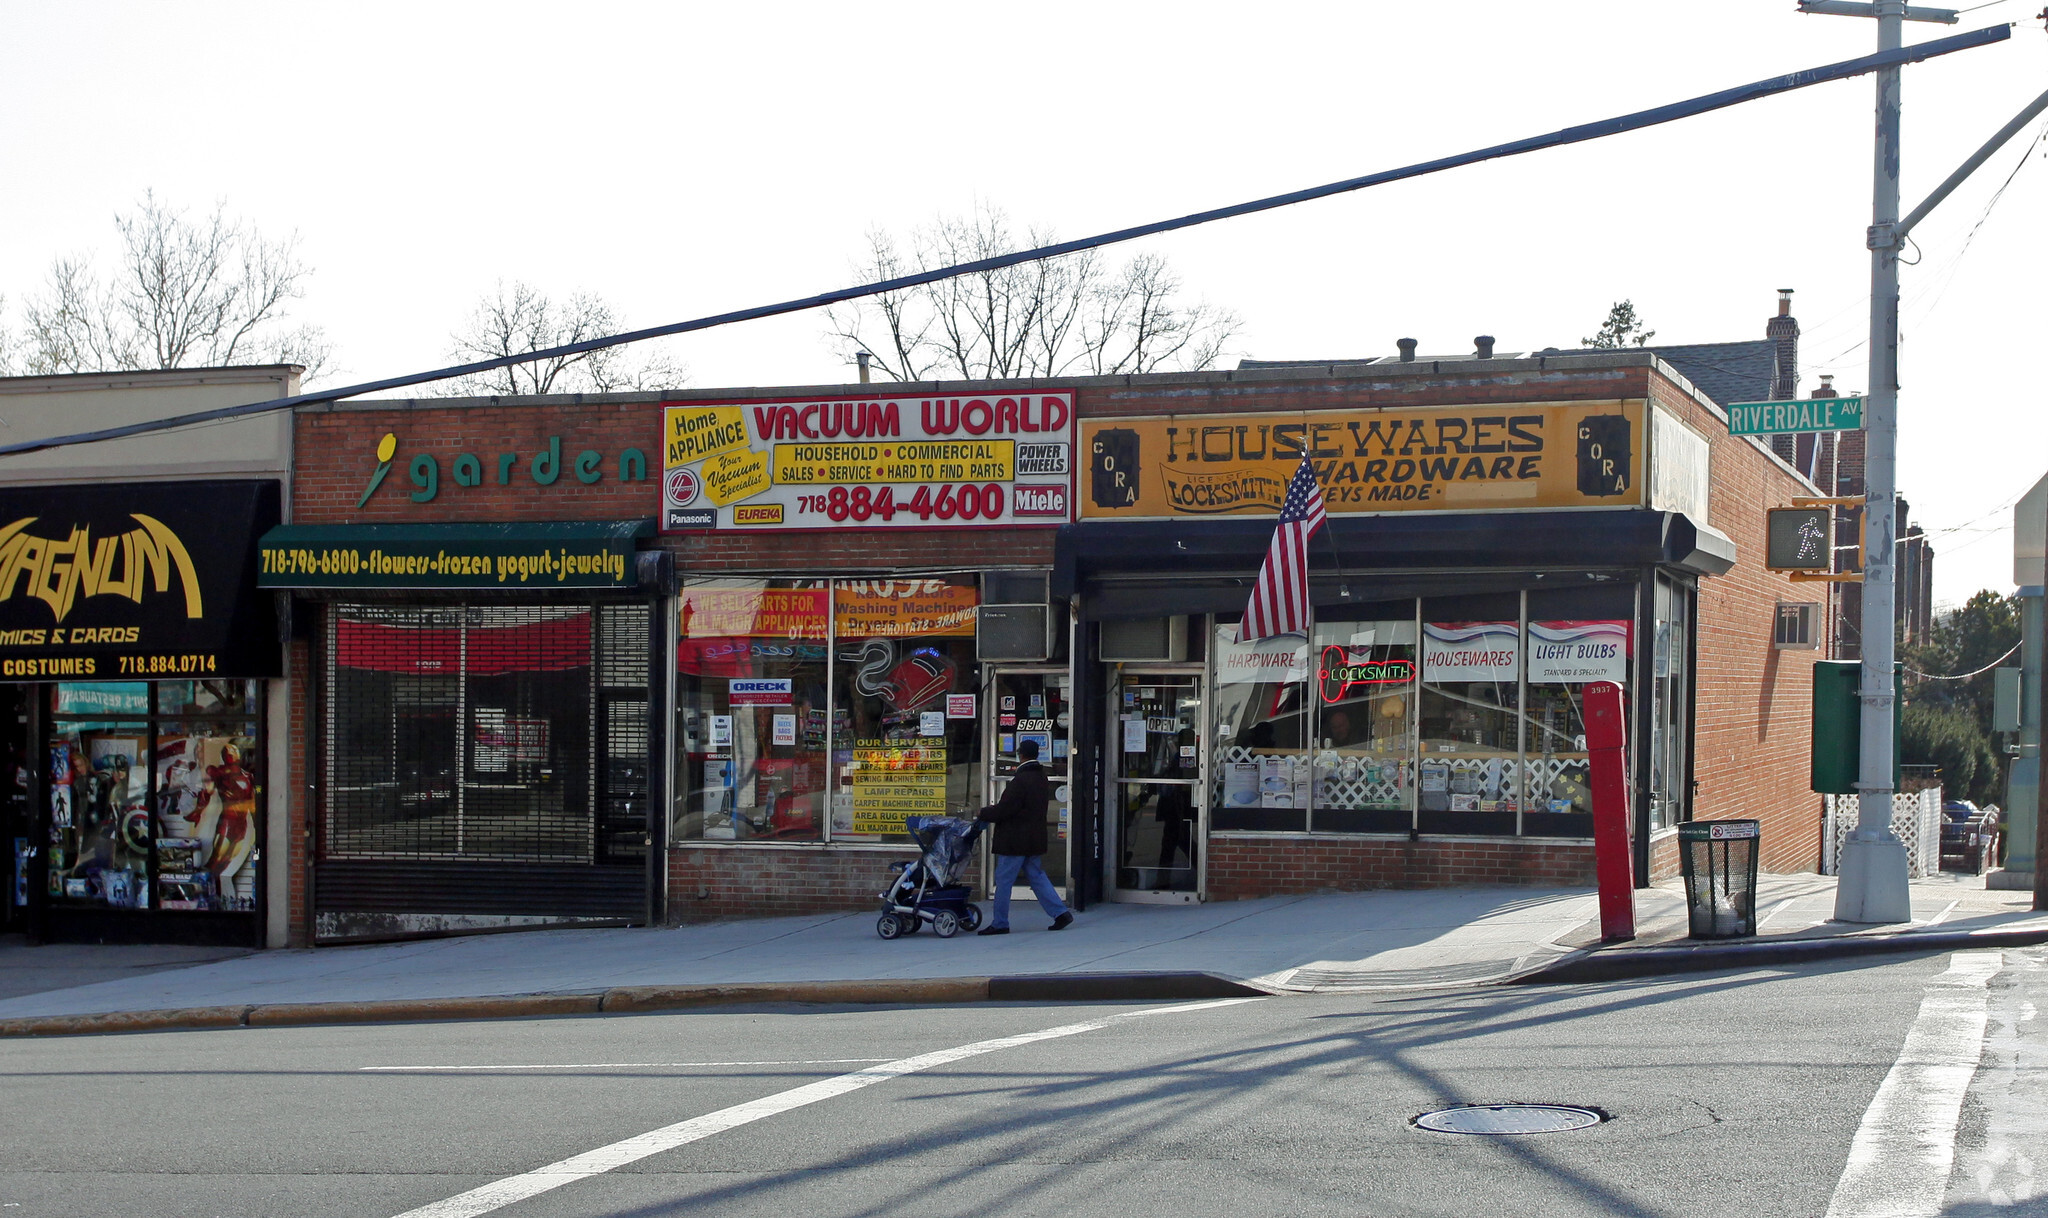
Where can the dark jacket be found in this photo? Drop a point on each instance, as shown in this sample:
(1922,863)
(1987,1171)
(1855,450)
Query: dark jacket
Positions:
(1019,816)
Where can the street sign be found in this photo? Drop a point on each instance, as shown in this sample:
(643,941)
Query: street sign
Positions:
(1800,539)
(1800,414)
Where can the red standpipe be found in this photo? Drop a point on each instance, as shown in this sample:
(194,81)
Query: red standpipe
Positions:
(1607,742)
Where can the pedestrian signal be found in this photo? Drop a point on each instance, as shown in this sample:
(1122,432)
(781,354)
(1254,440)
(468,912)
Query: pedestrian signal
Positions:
(1800,539)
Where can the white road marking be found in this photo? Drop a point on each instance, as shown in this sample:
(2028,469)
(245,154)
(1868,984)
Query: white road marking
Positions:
(1900,1161)
(1936,920)
(500,1193)
(820,1061)
(1777,909)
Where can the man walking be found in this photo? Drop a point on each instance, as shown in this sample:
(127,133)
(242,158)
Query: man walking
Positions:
(1019,818)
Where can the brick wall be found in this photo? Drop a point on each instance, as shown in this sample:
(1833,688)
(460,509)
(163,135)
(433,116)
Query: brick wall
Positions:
(706,883)
(1754,703)
(1241,868)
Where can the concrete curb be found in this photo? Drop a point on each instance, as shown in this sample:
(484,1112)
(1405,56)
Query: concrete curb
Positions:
(638,999)
(1621,963)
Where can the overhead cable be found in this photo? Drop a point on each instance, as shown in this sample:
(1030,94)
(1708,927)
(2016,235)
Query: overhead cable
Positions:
(1570,135)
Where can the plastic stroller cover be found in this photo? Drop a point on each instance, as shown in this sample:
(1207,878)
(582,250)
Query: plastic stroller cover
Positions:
(948,843)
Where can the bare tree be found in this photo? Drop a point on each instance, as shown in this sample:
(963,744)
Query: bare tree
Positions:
(187,294)
(518,318)
(1051,317)
(6,342)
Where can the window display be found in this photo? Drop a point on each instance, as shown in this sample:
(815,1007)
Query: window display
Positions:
(147,813)
(904,648)
(1469,772)
(751,706)
(815,709)
(1264,769)
(1365,763)
(1575,638)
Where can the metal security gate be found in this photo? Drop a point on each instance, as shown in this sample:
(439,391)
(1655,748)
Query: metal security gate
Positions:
(483,760)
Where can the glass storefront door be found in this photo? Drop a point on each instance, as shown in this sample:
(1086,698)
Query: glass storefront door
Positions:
(1033,704)
(1158,814)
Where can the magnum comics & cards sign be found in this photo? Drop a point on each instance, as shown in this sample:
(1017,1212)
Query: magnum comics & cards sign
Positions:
(135,581)
(1439,458)
(868,463)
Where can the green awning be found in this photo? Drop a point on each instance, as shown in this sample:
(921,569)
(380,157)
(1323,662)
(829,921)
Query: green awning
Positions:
(530,555)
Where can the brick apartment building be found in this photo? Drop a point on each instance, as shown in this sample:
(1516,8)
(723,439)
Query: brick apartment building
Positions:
(665,658)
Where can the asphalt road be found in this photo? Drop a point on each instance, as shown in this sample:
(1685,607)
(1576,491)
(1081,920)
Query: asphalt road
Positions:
(1729,1094)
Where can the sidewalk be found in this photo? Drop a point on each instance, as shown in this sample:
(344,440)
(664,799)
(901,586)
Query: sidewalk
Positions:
(1334,942)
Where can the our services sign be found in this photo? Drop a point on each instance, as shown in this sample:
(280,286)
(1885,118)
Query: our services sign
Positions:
(1491,457)
(868,462)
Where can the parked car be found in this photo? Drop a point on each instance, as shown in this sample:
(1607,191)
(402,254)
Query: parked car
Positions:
(1969,836)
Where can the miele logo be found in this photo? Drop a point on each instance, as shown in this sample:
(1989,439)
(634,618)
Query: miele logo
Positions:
(1038,499)
(59,571)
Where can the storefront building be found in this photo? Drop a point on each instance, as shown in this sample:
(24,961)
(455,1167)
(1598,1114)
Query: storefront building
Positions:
(142,669)
(823,611)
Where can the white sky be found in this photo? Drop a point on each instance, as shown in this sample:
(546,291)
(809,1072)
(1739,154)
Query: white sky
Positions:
(684,159)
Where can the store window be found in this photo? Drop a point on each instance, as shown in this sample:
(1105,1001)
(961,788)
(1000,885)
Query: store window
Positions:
(1469,773)
(1264,723)
(1670,704)
(1575,637)
(813,710)
(486,732)
(751,707)
(1364,686)
(150,812)
(906,734)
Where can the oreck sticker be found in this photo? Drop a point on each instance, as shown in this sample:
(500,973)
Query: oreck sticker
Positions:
(1385,459)
(732,476)
(692,433)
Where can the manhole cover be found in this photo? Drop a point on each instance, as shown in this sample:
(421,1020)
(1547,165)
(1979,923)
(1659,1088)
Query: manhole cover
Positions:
(1509,1118)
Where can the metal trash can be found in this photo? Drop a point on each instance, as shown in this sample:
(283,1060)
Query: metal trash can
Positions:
(1719,857)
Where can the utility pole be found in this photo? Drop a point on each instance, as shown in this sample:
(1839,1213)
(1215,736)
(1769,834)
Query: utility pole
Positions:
(1872,885)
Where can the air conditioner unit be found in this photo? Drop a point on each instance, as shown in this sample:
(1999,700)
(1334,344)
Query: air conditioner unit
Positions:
(1797,627)
(1154,640)
(1013,633)
(1016,622)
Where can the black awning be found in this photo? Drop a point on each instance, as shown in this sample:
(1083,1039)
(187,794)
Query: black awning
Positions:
(1417,552)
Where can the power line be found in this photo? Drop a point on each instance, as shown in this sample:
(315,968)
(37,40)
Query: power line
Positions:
(1967,675)
(1570,135)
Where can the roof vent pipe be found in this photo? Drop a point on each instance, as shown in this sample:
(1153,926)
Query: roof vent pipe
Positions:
(1407,346)
(1482,347)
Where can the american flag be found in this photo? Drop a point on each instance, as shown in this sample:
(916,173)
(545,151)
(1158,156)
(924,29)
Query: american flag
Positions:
(1279,603)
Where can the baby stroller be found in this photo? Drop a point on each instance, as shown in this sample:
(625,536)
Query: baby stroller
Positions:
(927,890)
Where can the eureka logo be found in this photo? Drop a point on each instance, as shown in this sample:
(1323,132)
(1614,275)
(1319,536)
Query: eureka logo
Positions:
(544,467)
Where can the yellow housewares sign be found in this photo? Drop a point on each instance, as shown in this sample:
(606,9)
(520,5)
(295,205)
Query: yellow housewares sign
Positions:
(1441,458)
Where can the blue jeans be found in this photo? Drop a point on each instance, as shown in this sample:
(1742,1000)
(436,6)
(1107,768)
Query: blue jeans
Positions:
(1008,867)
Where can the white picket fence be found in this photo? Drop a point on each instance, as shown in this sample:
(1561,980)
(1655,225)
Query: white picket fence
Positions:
(1916,820)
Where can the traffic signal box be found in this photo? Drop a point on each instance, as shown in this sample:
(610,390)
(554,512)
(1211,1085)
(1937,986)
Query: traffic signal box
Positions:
(1800,541)
(1837,725)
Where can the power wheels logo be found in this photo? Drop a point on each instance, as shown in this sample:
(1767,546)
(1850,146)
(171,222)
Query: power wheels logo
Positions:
(386,449)
(681,487)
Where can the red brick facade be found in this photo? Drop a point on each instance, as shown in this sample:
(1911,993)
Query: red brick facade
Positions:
(706,883)
(1751,705)
(1243,866)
